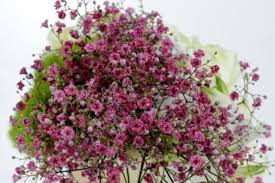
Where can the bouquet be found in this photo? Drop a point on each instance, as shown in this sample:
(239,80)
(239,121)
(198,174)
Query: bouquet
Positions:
(118,96)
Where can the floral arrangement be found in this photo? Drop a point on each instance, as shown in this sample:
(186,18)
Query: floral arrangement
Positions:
(120,97)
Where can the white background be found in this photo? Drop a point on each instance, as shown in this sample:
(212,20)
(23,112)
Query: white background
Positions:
(245,26)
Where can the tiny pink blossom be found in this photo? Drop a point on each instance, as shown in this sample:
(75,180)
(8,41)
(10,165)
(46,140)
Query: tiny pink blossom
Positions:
(264,149)
(165,127)
(23,71)
(196,162)
(71,90)
(234,95)
(97,107)
(20,85)
(138,142)
(45,24)
(259,180)
(67,133)
(113,175)
(255,77)
(87,24)
(59,96)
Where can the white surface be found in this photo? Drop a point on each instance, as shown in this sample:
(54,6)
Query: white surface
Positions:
(246,26)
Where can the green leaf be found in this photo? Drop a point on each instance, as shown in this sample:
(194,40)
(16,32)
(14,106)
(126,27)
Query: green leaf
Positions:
(208,91)
(221,86)
(250,170)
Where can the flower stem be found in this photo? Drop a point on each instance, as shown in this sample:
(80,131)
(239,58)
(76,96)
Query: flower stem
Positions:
(141,169)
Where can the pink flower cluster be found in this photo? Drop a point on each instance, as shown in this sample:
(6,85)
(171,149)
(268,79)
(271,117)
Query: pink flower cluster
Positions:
(120,90)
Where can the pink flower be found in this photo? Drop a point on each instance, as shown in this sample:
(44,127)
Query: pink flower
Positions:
(196,162)
(60,26)
(20,85)
(144,103)
(244,65)
(16,178)
(55,161)
(255,77)
(234,95)
(61,14)
(23,71)
(195,62)
(215,69)
(81,120)
(61,117)
(74,34)
(138,127)
(43,119)
(264,149)
(45,24)
(138,142)
(90,47)
(199,136)
(230,172)
(173,91)
(113,175)
(67,48)
(37,65)
(71,90)
(53,71)
(59,96)
(87,24)
(20,106)
(165,127)
(257,102)
(199,53)
(110,152)
(27,121)
(57,4)
(20,170)
(31,166)
(259,180)
(96,107)
(114,58)
(148,178)
(67,133)
(120,139)
(73,14)
(100,149)
(20,141)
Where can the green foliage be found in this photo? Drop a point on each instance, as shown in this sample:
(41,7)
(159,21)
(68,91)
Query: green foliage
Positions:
(251,170)
(208,91)
(221,86)
(40,94)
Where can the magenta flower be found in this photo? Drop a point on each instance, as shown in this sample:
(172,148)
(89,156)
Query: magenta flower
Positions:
(67,133)
(20,85)
(259,180)
(87,24)
(165,127)
(37,65)
(138,142)
(234,95)
(144,103)
(20,141)
(23,71)
(96,107)
(113,175)
(196,162)
(20,106)
(59,96)
(71,90)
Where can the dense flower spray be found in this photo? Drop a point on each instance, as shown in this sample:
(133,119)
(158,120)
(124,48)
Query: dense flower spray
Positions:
(115,93)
